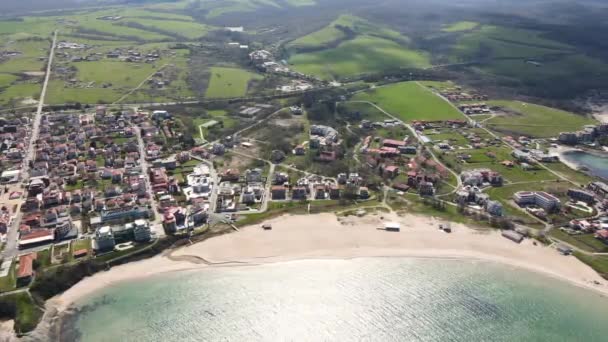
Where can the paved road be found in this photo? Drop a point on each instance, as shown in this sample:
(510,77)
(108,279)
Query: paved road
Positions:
(10,249)
(156,225)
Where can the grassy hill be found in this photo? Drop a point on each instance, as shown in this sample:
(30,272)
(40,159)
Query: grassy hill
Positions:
(410,101)
(534,120)
(340,29)
(361,55)
(526,60)
(351,46)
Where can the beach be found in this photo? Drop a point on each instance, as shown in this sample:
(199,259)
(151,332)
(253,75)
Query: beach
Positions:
(298,237)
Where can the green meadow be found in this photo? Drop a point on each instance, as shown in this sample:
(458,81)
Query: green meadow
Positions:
(410,101)
(535,120)
(229,82)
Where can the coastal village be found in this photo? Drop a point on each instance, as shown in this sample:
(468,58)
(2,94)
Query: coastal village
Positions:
(109,180)
(108,183)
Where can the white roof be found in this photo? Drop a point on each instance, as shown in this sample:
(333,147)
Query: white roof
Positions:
(105,230)
(11,173)
(50,237)
(392,225)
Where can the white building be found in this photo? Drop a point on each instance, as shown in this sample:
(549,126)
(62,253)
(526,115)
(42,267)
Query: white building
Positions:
(141,231)
(105,239)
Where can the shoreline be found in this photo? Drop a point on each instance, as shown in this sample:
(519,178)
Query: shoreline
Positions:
(561,150)
(297,239)
(327,236)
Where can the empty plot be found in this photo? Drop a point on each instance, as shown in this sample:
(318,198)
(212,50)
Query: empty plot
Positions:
(411,101)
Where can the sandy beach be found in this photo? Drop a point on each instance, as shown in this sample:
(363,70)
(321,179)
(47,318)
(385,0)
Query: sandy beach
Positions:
(327,236)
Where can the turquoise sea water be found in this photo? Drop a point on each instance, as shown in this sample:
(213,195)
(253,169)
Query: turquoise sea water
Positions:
(597,165)
(369,299)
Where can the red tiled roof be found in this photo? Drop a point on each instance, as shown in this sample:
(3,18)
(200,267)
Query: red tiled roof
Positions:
(26,265)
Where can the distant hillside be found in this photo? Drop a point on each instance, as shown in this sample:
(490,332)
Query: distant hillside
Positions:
(346,27)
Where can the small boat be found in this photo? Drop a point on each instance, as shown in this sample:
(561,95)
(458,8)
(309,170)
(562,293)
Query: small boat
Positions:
(267,226)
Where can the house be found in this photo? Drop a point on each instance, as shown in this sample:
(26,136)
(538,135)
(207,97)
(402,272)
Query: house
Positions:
(299,193)
(401,187)
(253,176)
(391,171)
(409,149)
(320,192)
(521,156)
(599,188)
(278,192)
(25,272)
(602,235)
(426,188)
(334,192)
(230,175)
(494,208)
(327,156)
(363,192)
(393,143)
(299,150)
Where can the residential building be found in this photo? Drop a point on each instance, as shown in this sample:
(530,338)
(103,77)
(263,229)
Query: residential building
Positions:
(25,272)
(278,192)
(581,195)
(539,198)
(299,193)
(141,231)
(494,208)
(105,239)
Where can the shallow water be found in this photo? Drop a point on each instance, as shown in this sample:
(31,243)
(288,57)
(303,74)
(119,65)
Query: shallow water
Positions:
(597,165)
(372,299)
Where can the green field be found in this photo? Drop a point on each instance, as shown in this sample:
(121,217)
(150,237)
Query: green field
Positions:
(361,55)
(229,82)
(460,26)
(534,120)
(410,101)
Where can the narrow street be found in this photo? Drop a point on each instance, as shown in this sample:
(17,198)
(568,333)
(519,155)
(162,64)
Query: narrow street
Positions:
(10,249)
(155,225)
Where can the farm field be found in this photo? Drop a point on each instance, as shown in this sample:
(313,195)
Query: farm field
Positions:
(535,120)
(229,82)
(21,75)
(410,101)
(364,54)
